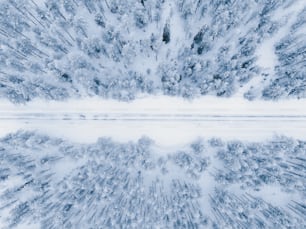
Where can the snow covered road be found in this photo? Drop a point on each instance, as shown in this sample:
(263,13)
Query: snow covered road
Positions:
(169,121)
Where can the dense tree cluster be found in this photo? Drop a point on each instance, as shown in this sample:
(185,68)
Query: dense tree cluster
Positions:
(254,165)
(120,49)
(247,211)
(53,183)
(290,79)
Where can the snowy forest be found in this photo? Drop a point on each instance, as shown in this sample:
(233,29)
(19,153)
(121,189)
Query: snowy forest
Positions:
(152,114)
(59,184)
(124,49)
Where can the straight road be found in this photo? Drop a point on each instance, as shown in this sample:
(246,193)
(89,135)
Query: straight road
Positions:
(168,121)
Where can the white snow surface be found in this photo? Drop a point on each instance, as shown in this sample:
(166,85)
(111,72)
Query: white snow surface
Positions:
(168,121)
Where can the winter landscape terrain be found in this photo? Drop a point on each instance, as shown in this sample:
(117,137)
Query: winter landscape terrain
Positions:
(152,114)
(153,163)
